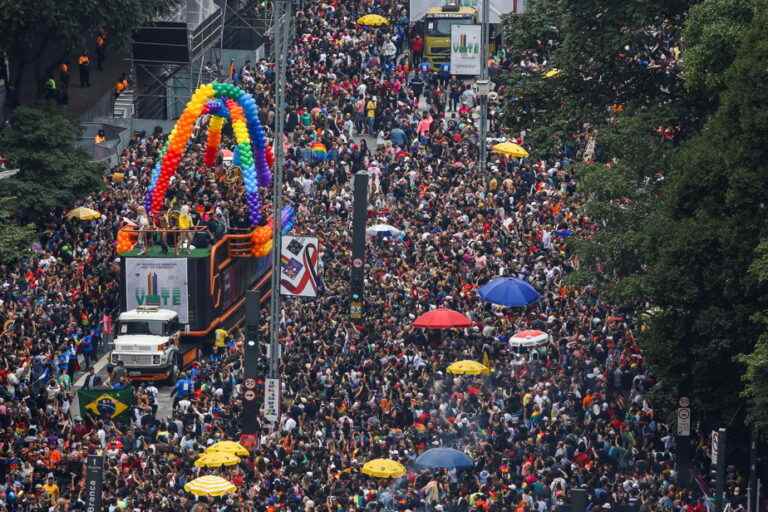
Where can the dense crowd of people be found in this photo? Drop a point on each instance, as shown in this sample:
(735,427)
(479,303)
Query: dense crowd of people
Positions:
(573,414)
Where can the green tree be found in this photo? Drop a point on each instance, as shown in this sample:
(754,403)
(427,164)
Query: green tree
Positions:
(713,32)
(36,35)
(602,49)
(755,376)
(14,239)
(53,171)
(684,251)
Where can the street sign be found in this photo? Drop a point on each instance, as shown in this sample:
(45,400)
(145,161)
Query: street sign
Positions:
(272,399)
(684,421)
(8,174)
(715,446)
(250,395)
(684,402)
(250,383)
(483,87)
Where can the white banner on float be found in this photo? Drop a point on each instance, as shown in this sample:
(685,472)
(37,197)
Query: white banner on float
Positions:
(466,41)
(157,282)
(498,7)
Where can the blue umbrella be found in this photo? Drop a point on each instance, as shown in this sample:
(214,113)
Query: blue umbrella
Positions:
(508,291)
(443,458)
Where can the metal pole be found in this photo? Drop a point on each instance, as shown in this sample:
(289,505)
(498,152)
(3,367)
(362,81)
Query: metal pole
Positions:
(281,21)
(482,160)
(223,23)
(752,486)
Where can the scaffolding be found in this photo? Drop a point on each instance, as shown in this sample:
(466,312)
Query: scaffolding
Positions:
(163,82)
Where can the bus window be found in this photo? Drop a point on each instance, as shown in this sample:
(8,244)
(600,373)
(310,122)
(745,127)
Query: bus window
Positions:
(442,27)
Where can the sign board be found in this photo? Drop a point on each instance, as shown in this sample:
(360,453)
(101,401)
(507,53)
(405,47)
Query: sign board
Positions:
(158,282)
(684,402)
(684,421)
(298,267)
(356,310)
(8,174)
(272,399)
(94,481)
(715,446)
(418,8)
(466,44)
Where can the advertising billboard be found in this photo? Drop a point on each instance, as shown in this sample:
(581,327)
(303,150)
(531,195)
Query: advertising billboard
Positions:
(158,282)
(466,41)
(498,7)
(298,266)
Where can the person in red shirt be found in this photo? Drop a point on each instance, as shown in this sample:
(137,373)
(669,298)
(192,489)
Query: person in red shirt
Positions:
(417,47)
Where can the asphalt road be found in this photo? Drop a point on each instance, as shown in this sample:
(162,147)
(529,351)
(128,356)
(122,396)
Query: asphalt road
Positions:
(164,398)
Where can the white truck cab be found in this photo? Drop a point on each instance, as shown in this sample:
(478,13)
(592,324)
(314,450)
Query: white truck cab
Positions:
(147,344)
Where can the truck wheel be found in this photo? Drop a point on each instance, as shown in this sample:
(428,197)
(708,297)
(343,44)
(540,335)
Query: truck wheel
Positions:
(174,373)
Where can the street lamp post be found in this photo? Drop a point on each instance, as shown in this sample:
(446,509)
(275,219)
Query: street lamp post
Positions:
(483,90)
(281,31)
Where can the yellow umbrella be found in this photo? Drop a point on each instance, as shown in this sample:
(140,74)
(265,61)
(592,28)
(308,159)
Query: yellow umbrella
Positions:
(210,485)
(552,73)
(383,468)
(216,460)
(83,213)
(510,149)
(468,368)
(372,20)
(229,447)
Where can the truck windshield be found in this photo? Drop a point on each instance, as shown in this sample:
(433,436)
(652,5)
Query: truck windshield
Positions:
(441,27)
(155,327)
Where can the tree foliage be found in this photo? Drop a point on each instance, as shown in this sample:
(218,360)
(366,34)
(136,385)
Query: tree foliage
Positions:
(53,171)
(755,376)
(602,50)
(678,220)
(14,239)
(713,32)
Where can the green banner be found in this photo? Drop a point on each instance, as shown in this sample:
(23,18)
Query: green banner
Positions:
(106,403)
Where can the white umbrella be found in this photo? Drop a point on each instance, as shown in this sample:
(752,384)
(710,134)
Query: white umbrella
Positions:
(529,339)
(383,230)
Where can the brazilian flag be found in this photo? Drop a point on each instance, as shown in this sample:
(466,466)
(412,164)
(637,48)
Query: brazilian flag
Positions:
(106,403)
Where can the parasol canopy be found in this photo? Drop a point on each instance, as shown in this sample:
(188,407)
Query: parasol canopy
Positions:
(443,458)
(508,291)
(383,468)
(468,367)
(216,460)
(510,150)
(232,447)
(210,485)
(442,318)
(372,20)
(383,230)
(83,213)
(529,339)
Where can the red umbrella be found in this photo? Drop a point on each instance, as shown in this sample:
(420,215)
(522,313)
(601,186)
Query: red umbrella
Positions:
(442,318)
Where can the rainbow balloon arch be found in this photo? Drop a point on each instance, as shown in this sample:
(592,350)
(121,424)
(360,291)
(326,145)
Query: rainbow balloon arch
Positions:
(251,153)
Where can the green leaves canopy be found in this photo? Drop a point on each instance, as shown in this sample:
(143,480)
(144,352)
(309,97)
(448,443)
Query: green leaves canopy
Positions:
(679,222)
(53,172)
